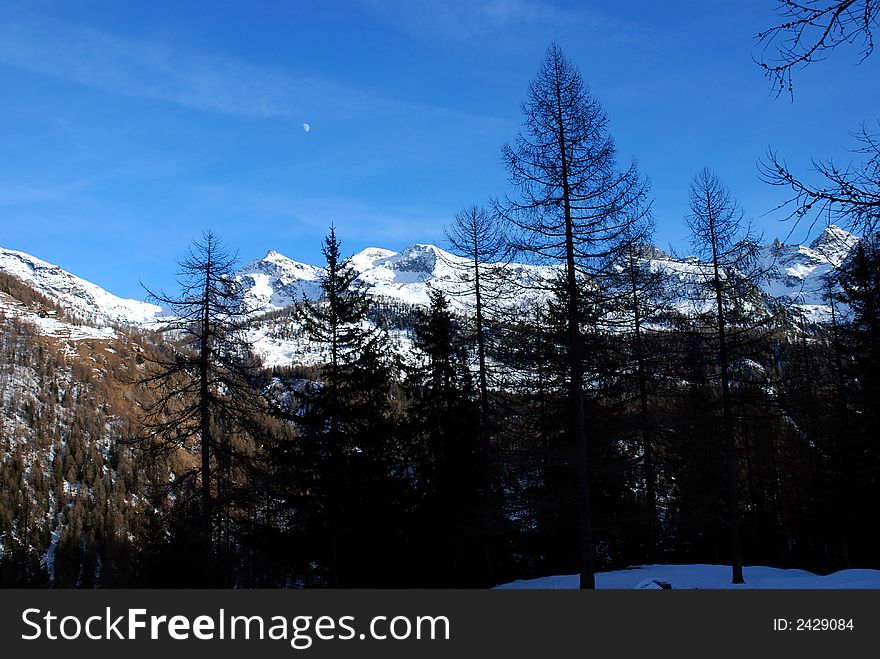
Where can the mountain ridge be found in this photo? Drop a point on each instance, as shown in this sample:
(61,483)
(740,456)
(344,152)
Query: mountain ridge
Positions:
(795,274)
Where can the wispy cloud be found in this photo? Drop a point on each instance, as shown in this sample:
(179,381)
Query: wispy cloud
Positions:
(12,194)
(467,19)
(153,70)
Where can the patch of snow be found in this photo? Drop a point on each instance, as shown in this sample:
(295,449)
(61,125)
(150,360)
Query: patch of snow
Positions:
(702,576)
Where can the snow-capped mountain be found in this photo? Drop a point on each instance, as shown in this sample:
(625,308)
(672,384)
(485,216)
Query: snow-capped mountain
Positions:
(408,275)
(794,274)
(77,296)
(276,281)
(798,274)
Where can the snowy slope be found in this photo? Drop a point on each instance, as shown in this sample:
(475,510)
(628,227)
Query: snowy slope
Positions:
(708,576)
(275,282)
(49,325)
(798,274)
(77,296)
(408,275)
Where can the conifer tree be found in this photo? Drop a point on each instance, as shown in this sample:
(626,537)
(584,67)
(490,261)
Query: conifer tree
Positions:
(477,236)
(346,483)
(635,297)
(202,397)
(720,235)
(860,283)
(447,424)
(572,209)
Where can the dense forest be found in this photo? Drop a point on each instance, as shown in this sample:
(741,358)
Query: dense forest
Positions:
(621,422)
(367,471)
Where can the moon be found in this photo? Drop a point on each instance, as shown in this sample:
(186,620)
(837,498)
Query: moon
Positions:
(307,127)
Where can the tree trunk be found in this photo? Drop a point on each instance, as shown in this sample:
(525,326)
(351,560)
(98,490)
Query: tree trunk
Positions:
(576,375)
(647,445)
(205,427)
(485,437)
(727,414)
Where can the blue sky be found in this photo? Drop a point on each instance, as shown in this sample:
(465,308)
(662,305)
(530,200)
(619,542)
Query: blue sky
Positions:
(128,127)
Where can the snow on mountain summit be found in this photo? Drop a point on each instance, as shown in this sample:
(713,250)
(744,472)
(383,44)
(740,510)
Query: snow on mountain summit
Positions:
(795,274)
(407,275)
(418,259)
(798,273)
(834,244)
(275,281)
(366,259)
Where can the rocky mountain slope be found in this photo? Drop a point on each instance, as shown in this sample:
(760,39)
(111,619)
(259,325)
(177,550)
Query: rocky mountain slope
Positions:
(798,274)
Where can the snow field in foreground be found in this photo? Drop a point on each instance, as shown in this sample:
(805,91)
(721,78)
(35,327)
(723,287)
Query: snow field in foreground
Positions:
(708,576)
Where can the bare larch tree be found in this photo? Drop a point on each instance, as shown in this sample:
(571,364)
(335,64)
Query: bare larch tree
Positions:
(722,239)
(202,390)
(571,209)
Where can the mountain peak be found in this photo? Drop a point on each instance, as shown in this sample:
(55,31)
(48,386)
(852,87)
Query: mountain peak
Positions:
(415,258)
(274,256)
(278,263)
(834,244)
(367,258)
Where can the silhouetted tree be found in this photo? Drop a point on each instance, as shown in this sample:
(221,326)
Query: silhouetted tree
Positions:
(845,194)
(572,209)
(721,238)
(346,476)
(202,387)
(636,297)
(477,236)
(446,420)
(810,30)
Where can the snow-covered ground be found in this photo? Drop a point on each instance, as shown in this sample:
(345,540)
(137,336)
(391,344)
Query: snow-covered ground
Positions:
(708,576)
(78,296)
(51,326)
